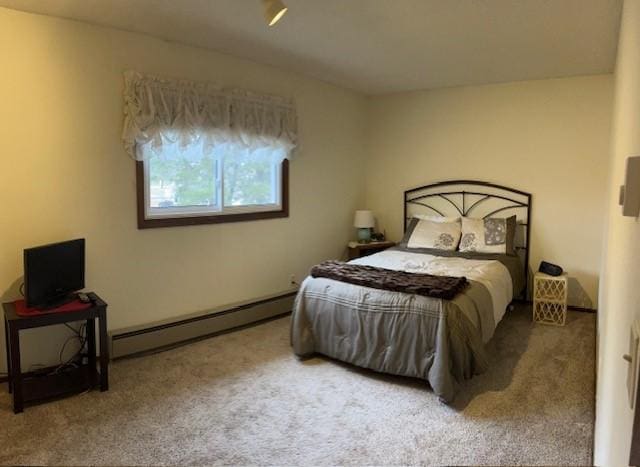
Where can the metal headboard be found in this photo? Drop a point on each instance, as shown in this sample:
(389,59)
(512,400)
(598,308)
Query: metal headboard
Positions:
(475,199)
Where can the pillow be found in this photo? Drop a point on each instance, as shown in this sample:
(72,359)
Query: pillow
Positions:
(438,235)
(491,235)
(427,217)
(414,221)
(407,233)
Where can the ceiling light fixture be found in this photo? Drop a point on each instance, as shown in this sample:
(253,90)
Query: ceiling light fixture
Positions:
(273,11)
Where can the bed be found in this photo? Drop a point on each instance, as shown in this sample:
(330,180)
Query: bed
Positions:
(438,340)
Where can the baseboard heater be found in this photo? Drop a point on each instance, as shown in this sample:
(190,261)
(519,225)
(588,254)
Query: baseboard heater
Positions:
(164,334)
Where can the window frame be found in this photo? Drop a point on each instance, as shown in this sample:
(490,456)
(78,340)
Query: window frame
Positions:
(229,214)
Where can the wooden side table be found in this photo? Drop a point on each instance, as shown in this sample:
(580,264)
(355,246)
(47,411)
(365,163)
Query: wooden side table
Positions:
(358,250)
(47,383)
(550,298)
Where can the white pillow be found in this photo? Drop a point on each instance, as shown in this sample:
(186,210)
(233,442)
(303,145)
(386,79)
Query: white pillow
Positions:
(438,235)
(475,235)
(439,219)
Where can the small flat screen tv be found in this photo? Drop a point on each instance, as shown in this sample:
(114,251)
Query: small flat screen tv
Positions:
(53,272)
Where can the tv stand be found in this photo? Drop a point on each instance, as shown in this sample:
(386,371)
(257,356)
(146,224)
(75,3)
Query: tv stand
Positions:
(46,383)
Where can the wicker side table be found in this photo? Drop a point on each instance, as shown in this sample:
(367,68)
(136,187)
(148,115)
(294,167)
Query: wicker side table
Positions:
(550,298)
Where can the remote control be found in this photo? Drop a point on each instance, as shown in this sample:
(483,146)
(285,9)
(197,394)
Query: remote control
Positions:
(84,298)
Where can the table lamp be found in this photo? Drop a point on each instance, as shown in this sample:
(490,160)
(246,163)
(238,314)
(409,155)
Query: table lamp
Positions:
(364,222)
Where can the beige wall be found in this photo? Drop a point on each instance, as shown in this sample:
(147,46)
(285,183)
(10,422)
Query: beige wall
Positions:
(619,290)
(549,138)
(65,174)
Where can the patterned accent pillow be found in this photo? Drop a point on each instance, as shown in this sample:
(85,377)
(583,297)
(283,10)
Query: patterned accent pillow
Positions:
(468,242)
(438,235)
(492,235)
(495,231)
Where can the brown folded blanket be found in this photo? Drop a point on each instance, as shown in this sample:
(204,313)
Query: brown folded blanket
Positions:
(398,281)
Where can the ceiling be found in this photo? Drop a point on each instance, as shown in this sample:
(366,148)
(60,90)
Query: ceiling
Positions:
(380,46)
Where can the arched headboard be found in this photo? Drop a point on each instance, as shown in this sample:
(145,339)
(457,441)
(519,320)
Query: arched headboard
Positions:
(477,199)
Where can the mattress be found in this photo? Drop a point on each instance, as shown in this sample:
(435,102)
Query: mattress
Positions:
(440,341)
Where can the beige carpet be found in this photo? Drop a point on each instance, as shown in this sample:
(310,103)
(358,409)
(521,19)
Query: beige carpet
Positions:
(242,398)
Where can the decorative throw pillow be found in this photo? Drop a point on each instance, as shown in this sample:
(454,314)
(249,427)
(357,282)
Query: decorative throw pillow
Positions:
(438,235)
(491,235)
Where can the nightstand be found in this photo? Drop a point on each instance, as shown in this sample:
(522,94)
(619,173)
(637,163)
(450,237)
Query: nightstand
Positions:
(550,298)
(358,250)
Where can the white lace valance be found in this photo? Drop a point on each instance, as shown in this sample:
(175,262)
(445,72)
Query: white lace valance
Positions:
(161,112)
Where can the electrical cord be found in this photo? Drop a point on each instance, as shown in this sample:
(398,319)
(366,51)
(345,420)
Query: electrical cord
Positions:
(21,289)
(71,361)
(80,334)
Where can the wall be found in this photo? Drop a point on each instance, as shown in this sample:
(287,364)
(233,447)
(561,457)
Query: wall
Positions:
(65,174)
(549,138)
(619,291)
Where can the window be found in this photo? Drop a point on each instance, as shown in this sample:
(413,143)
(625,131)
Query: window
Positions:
(207,154)
(186,186)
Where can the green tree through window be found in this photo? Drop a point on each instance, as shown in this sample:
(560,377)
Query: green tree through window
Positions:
(185,177)
(188,182)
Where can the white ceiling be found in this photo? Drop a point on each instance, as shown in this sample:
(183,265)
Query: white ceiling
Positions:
(380,46)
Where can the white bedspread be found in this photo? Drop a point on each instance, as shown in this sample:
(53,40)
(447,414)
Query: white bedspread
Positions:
(490,273)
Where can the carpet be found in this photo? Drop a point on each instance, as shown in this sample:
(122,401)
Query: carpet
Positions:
(243,398)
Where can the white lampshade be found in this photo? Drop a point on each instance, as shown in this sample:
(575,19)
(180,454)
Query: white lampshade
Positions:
(364,220)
